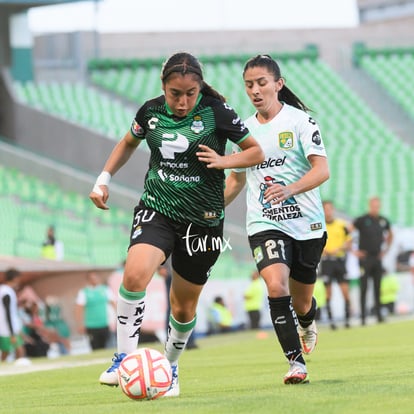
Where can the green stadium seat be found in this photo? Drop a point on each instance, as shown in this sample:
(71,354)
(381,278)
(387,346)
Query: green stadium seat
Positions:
(29,206)
(396,64)
(364,154)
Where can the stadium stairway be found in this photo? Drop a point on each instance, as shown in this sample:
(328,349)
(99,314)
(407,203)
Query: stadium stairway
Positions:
(382,103)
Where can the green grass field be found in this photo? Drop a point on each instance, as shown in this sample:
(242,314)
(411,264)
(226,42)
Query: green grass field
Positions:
(361,370)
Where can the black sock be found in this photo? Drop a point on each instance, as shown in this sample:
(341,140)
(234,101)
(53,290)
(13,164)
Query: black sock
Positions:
(306,320)
(347,310)
(285,324)
(328,308)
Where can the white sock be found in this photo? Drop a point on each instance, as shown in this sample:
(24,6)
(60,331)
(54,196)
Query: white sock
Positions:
(178,334)
(130,315)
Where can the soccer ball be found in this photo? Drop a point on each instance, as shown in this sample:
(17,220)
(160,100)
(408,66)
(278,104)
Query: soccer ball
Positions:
(145,374)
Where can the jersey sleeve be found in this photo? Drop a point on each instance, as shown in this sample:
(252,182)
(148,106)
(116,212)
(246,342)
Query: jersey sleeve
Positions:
(311,137)
(137,128)
(229,124)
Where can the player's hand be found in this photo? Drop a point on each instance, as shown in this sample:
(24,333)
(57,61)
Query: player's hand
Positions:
(210,157)
(276,193)
(99,196)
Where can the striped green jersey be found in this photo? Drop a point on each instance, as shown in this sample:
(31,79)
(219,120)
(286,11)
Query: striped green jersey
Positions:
(177,184)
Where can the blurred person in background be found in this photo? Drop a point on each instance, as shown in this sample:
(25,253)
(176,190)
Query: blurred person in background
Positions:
(253,300)
(11,326)
(186,130)
(285,220)
(92,314)
(220,318)
(374,240)
(45,333)
(54,320)
(390,287)
(333,262)
(319,293)
(36,337)
(411,265)
(52,248)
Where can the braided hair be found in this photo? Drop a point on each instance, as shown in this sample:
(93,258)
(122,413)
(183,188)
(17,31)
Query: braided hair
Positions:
(184,63)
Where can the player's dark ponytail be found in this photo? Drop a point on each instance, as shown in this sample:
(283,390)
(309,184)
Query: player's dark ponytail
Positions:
(185,63)
(206,89)
(285,94)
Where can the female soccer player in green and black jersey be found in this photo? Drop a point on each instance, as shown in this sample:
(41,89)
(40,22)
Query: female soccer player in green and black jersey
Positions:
(182,208)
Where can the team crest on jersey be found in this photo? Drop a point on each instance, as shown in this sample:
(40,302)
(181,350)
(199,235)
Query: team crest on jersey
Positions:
(286,140)
(197,126)
(316,138)
(137,232)
(258,254)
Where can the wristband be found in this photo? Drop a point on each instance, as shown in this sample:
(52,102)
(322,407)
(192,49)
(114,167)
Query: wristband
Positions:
(103,179)
(96,189)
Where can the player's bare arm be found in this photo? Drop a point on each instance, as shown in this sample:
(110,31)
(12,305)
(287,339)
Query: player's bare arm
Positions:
(251,154)
(119,156)
(234,184)
(317,175)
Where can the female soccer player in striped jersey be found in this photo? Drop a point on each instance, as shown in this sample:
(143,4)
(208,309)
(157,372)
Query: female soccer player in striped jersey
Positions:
(182,208)
(285,219)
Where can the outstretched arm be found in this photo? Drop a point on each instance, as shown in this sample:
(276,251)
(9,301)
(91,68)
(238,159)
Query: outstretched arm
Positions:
(251,154)
(118,157)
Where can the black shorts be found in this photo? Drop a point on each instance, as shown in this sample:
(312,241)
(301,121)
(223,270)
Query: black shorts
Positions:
(193,249)
(333,269)
(301,256)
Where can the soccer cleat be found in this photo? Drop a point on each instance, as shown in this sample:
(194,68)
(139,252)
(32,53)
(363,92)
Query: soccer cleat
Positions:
(22,362)
(174,390)
(297,374)
(308,337)
(110,376)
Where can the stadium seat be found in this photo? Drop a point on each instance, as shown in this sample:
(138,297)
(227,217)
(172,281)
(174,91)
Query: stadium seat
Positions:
(391,63)
(29,206)
(366,153)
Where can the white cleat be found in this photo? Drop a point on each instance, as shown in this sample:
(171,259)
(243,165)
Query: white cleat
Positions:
(297,374)
(110,376)
(174,390)
(308,337)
